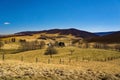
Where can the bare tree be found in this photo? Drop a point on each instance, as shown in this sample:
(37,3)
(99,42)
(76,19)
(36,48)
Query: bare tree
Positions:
(32,45)
(71,51)
(13,40)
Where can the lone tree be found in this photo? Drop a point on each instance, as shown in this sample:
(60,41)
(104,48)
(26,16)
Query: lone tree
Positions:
(50,51)
(71,51)
(13,40)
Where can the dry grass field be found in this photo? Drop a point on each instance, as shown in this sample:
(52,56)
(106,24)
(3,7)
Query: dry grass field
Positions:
(64,53)
(75,69)
(82,64)
(16,70)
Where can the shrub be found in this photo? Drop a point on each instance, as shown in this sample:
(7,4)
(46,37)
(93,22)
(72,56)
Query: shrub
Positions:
(50,51)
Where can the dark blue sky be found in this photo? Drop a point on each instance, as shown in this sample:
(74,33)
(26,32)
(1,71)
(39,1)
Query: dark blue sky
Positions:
(30,15)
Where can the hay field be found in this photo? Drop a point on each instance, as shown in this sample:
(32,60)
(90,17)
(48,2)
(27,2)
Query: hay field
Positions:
(16,70)
(82,64)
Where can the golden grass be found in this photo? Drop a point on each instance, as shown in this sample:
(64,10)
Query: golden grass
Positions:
(11,46)
(64,53)
(76,69)
(16,70)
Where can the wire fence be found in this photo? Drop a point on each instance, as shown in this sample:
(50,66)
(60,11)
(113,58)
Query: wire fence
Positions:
(60,60)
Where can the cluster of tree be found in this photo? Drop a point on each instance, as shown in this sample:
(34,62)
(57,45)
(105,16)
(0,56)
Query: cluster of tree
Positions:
(94,45)
(100,46)
(117,47)
(106,46)
(32,45)
(59,44)
(51,48)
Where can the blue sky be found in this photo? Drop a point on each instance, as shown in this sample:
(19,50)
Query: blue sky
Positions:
(30,15)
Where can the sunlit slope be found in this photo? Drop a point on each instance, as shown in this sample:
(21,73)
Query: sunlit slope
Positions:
(64,53)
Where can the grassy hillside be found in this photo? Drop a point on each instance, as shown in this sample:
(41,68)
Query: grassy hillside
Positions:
(82,64)
(64,53)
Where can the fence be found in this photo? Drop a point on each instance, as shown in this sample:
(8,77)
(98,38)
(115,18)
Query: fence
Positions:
(63,60)
(66,60)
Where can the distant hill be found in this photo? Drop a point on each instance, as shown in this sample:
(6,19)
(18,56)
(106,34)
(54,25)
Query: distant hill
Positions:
(104,33)
(72,31)
(111,38)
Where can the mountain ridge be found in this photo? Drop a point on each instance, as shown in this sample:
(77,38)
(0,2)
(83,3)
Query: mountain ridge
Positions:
(111,38)
(74,32)
(104,33)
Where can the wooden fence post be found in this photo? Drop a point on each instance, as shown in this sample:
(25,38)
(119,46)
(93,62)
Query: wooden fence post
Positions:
(60,61)
(36,59)
(48,61)
(21,58)
(63,61)
(69,60)
(3,56)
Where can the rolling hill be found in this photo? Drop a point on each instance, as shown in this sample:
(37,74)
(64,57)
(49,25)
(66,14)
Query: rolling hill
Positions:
(111,38)
(72,31)
(104,33)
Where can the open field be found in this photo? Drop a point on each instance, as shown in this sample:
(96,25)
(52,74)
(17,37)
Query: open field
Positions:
(16,70)
(59,39)
(84,63)
(64,53)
